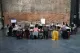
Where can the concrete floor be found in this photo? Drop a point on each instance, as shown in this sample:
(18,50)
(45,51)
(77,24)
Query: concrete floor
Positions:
(12,45)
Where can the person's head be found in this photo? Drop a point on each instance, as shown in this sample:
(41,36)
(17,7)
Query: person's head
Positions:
(72,23)
(58,28)
(63,23)
(36,25)
(57,23)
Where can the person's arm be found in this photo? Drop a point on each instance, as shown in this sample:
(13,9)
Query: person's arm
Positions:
(38,30)
(33,29)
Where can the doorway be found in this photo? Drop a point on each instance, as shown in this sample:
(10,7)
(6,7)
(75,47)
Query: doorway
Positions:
(75,12)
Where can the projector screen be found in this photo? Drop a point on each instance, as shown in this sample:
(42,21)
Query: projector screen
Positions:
(13,20)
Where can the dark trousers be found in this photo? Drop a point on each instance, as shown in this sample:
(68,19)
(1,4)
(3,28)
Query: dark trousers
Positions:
(35,37)
(14,33)
(27,33)
(27,36)
(65,35)
(18,37)
(10,33)
(45,34)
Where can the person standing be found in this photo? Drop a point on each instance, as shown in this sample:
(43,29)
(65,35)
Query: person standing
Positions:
(45,32)
(35,32)
(63,29)
(73,28)
(27,33)
(7,31)
(40,36)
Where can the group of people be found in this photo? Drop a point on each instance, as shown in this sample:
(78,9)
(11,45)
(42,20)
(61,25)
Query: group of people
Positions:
(40,32)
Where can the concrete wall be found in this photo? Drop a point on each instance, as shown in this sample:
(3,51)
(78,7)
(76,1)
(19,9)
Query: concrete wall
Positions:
(34,10)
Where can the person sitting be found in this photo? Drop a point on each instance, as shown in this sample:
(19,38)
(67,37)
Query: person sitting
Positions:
(10,31)
(55,34)
(15,30)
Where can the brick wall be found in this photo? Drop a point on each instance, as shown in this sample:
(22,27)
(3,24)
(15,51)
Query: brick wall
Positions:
(33,10)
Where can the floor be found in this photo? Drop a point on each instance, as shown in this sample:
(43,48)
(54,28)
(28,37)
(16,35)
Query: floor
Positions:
(12,45)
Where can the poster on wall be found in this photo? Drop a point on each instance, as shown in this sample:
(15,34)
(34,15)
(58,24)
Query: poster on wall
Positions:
(13,20)
(42,21)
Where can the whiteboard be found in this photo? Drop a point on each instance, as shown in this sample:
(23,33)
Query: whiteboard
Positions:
(13,20)
(42,21)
